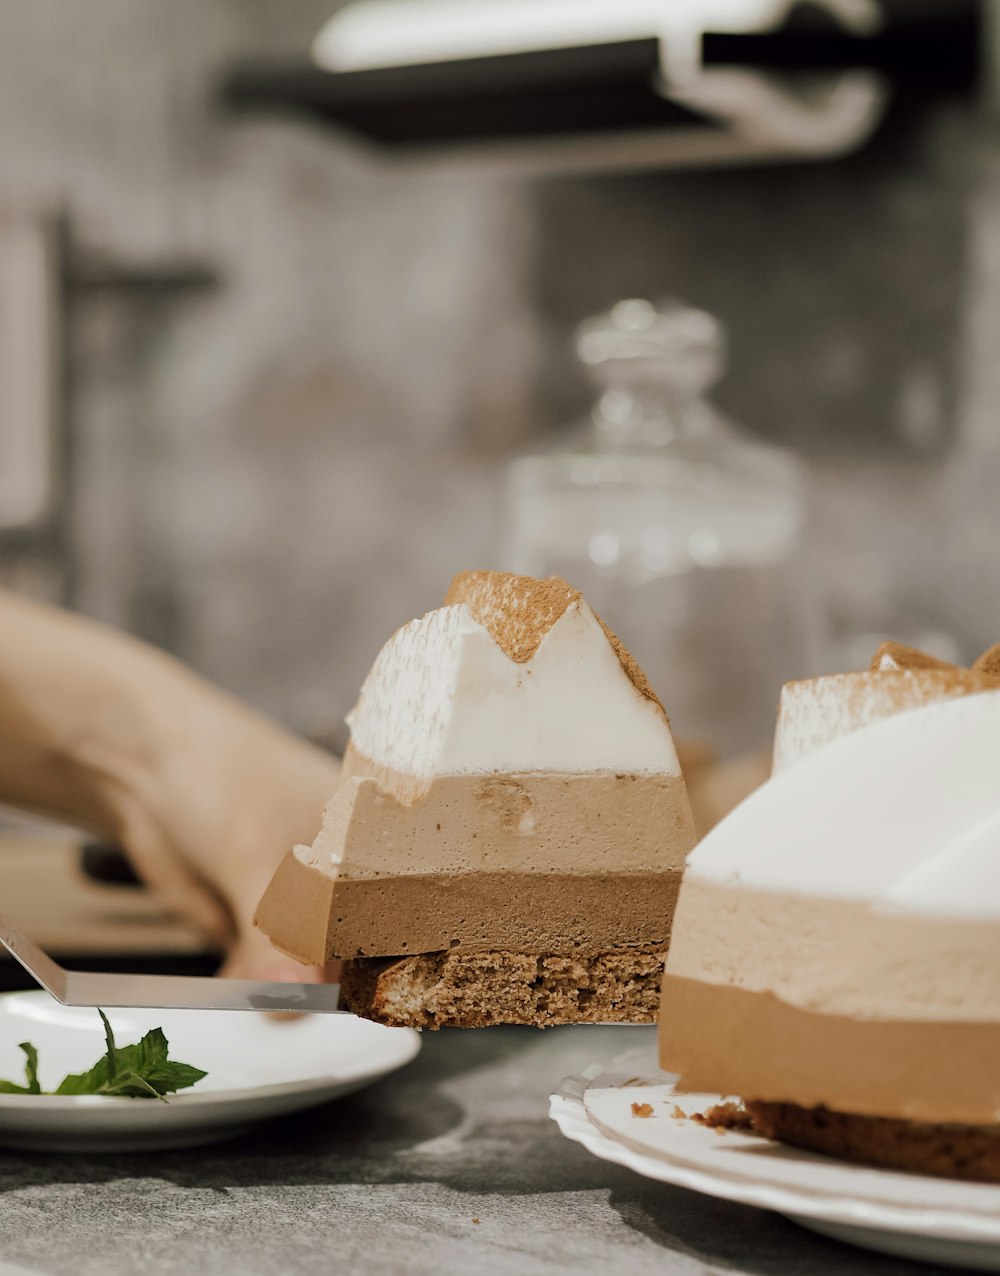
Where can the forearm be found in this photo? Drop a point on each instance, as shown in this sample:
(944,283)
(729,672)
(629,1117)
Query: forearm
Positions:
(204,793)
(74,730)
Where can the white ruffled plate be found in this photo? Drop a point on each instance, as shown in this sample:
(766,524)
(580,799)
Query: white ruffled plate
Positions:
(257,1068)
(911,1215)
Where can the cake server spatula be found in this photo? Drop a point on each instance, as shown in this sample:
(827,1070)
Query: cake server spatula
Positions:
(164,992)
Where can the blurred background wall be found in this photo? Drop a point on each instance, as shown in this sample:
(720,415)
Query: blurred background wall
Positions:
(292,380)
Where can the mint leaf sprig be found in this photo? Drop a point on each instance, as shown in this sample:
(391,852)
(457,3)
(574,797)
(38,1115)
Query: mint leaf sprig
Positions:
(141,1071)
(30,1072)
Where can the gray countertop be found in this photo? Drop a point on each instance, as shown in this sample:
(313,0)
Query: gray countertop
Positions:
(393,1180)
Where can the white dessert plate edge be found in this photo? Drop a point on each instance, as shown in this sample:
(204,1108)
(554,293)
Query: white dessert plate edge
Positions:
(258,1068)
(961,1235)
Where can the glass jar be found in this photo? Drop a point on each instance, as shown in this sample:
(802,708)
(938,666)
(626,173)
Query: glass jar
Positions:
(679,529)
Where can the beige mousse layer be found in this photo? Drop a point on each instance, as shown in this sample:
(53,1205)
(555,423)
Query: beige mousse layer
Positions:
(728,1040)
(535,862)
(532,822)
(838,956)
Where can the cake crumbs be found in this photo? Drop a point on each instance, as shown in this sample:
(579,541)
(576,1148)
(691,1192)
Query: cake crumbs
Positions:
(475,1220)
(642,1109)
(678,1113)
(724,1116)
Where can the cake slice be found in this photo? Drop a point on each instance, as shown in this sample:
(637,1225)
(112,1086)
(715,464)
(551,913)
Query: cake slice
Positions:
(508,836)
(850,911)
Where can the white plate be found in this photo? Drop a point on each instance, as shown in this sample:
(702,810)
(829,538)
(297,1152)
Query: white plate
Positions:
(913,1215)
(257,1068)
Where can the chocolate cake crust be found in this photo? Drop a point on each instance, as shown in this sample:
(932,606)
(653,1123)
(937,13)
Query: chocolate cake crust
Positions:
(474,990)
(969,1152)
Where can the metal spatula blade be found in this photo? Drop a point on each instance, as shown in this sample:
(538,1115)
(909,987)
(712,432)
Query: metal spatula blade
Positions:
(164,992)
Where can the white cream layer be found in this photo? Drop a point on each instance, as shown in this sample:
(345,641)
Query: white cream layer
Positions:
(444,699)
(903,814)
(816,711)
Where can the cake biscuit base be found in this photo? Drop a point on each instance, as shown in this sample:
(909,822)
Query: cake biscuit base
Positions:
(475,990)
(970,1152)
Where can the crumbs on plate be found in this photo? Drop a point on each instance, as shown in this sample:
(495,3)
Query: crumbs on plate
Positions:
(723,1116)
(642,1109)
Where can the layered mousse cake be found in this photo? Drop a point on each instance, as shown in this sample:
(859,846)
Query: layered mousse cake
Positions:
(507,839)
(835,959)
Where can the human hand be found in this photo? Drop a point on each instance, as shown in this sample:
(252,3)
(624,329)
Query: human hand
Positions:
(225,794)
(204,794)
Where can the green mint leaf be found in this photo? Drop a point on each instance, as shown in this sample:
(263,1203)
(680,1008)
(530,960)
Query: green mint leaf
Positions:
(31,1067)
(30,1072)
(86,1082)
(173,1076)
(149,1060)
(140,1071)
(8,1087)
(109,1036)
(130,1085)
(152,1051)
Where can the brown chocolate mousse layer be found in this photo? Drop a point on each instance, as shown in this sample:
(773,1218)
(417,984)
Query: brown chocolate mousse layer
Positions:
(313,917)
(534,862)
(728,1040)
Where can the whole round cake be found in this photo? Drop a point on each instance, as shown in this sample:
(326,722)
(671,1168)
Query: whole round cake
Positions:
(835,957)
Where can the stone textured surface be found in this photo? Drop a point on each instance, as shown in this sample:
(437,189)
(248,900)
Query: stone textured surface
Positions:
(390,1181)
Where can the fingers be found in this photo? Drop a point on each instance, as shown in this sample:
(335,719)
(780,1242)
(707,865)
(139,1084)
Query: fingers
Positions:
(252,957)
(174,883)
